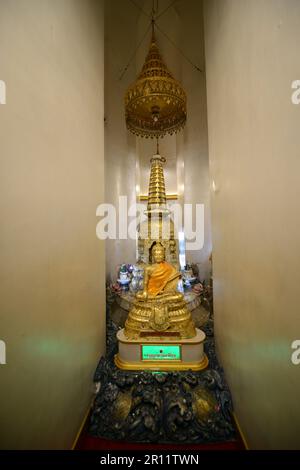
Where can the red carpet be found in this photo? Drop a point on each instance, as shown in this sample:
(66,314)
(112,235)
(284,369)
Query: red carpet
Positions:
(86,442)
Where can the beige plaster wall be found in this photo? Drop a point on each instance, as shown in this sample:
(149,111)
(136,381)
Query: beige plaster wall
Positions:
(252,57)
(52,265)
(120,150)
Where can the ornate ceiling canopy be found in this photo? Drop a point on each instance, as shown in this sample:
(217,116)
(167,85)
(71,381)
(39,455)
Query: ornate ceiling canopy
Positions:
(155,104)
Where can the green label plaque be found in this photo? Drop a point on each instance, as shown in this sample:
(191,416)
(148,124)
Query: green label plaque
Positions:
(161,352)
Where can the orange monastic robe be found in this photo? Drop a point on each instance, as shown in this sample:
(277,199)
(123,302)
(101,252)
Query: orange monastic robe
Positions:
(162,274)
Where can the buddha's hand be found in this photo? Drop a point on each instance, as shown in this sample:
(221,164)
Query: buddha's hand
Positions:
(142,295)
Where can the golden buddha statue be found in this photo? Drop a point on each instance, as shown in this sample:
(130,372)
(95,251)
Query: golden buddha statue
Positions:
(160,278)
(159,310)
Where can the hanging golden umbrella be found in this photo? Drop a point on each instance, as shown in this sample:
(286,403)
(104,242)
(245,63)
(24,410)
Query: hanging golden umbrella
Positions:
(155,104)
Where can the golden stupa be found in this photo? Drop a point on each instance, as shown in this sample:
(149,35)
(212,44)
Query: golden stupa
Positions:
(155,104)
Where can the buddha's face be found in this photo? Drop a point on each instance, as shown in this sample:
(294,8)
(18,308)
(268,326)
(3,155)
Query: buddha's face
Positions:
(158,254)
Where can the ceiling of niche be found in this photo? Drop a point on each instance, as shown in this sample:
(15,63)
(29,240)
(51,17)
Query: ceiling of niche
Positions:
(181,6)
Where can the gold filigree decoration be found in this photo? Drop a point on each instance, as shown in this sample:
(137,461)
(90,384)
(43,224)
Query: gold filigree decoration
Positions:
(155,104)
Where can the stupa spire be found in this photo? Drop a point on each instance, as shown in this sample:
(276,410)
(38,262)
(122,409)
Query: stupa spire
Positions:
(157,190)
